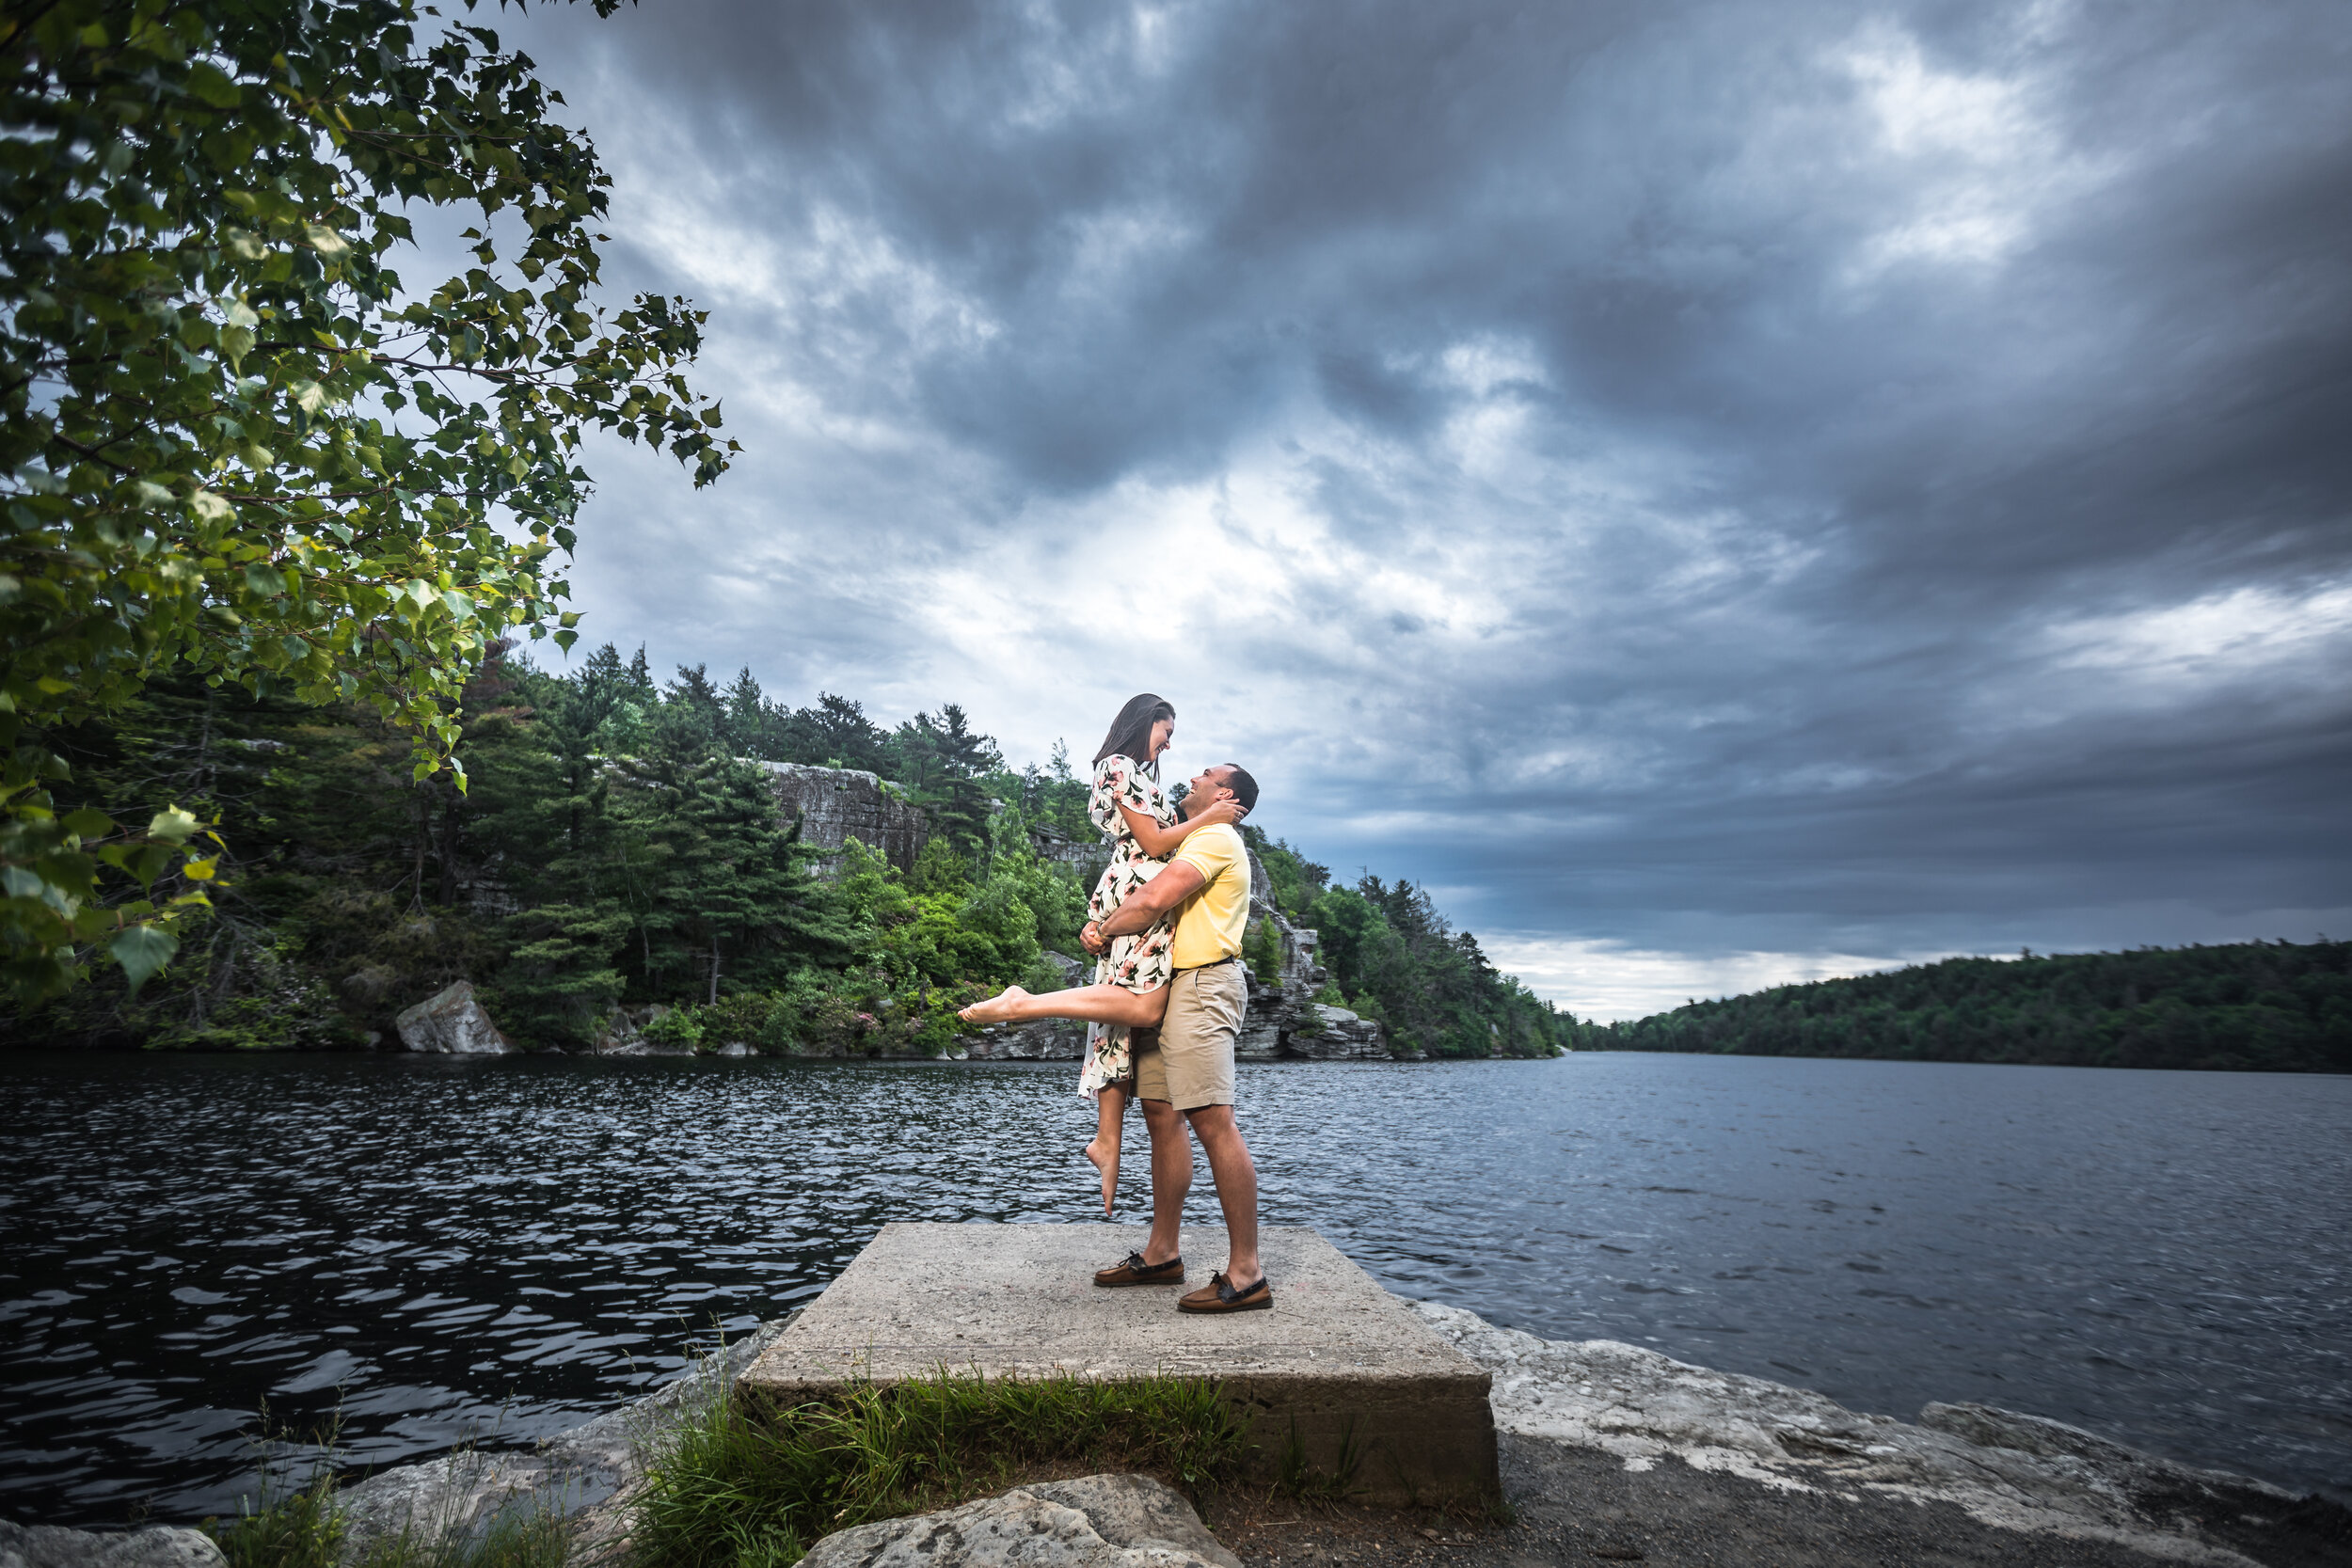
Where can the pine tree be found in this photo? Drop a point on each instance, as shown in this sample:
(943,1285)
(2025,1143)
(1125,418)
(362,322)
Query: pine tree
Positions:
(941,762)
(730,902)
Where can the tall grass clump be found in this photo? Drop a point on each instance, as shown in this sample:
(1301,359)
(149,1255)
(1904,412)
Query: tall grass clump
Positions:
(302,1529)
(749,1483)
(305,1526)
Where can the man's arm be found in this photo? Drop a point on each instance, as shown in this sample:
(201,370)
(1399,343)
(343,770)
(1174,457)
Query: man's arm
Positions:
(1163,893)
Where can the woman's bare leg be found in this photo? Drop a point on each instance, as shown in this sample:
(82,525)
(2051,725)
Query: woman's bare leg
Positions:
(1110,1105)
(1087,1004)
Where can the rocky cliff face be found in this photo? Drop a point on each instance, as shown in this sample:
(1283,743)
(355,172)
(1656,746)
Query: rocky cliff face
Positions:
(836,804)
(1285,1022)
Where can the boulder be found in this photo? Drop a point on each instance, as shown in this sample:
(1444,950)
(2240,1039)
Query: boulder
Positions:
(452,1023)
(1073,972)
(589,1470)
(1136,1510)
(1098,1522)
(156,1546)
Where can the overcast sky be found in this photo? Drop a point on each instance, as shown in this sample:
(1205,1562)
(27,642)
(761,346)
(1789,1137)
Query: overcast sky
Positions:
(1723,493)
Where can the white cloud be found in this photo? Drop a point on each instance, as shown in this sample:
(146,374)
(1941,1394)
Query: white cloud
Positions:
(2220,636)
(1611,981)
(1978,157)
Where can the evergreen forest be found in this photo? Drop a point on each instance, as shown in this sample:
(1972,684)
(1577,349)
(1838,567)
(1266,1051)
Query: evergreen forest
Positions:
(618,843)
(2266,1006)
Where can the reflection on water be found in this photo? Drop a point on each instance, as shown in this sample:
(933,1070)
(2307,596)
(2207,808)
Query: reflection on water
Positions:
(495,1250)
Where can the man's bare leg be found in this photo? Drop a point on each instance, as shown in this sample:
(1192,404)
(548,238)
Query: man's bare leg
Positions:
(1089,1004)
(1172,1177)
(1236,1177)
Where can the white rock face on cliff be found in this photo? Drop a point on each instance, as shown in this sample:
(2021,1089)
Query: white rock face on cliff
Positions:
(1097,1522)
(2007,1470)
(453,1023)
(838,804)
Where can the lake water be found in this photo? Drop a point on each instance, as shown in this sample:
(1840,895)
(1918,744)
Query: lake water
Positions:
(493,1250)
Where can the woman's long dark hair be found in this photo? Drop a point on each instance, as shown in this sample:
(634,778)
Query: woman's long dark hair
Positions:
(1130,731)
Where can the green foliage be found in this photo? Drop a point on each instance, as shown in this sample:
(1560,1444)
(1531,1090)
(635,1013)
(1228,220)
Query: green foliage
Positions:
(1427,984)
(1294,881)
(2265,1006)
(1262,950)
(943,762)
(744,1481)
(725,897)
(306,1530)
(940,871)
(611,850)
(677,1026)
(233,443)
(742,1016)
(303,1529)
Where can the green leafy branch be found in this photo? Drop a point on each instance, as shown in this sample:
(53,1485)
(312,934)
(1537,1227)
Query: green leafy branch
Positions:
(230,439)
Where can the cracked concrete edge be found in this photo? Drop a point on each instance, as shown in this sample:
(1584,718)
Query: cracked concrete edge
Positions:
(2024,1473)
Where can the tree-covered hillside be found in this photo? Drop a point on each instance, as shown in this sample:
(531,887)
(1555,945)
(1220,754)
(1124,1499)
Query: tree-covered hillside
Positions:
(2270,1007)
(618,843)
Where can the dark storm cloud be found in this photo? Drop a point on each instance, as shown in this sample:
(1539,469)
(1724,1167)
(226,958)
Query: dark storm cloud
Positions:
(1756,471)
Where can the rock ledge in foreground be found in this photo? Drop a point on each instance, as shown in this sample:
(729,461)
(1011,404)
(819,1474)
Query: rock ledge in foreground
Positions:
(2010,1471)
(1107,1521)
(156,1546)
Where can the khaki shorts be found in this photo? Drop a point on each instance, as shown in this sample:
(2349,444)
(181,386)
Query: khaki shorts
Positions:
(1193,1065)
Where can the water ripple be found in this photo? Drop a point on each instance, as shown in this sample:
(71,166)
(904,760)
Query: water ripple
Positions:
(447,1250)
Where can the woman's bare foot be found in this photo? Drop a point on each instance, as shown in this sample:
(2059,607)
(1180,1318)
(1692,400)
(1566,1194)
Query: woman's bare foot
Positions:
(997,1009)
(1105,1158)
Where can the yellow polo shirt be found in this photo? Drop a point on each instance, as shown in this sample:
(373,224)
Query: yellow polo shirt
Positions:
(1211,924)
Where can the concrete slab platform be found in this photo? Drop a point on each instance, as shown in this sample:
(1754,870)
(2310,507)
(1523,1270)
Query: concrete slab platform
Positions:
(1337,1359)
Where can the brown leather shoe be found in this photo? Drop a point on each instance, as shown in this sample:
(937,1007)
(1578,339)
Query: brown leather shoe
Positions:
(1219,1295)
(1135,1271)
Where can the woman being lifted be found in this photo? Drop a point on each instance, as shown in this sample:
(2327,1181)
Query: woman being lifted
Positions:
(1130,989)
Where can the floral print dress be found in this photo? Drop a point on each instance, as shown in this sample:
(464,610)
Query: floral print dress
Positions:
(1138,962)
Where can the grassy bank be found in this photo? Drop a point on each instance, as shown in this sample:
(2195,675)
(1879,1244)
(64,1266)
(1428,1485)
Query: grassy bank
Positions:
(747,1484)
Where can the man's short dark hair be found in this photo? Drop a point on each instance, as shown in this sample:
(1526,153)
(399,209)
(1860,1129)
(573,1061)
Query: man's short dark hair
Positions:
(1245,789)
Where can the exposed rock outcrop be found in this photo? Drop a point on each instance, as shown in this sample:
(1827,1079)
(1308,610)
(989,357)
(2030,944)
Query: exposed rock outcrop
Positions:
(838,804)
(2004,1470)
(623,1034)
(1049,1039)
(156,1546)
(1086,856)
(1285,1022)
(453,1023)
(1099,1522)
(580,1470)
